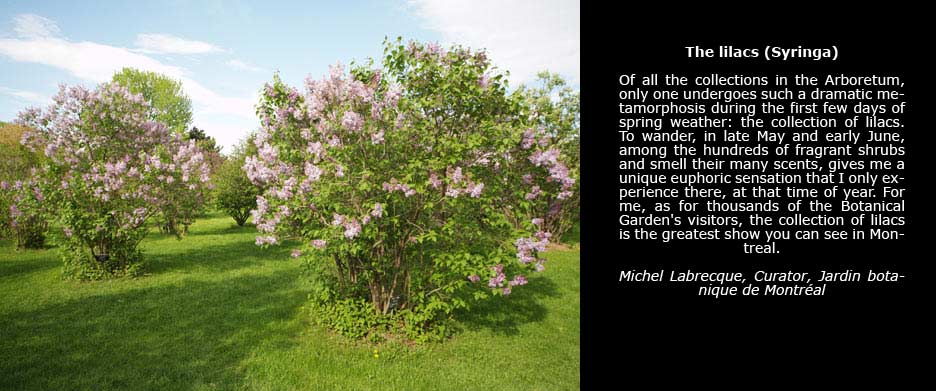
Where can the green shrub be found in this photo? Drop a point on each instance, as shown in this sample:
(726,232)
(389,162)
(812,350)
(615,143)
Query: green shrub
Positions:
(234,193)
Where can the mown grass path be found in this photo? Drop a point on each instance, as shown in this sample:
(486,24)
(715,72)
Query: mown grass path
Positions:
(217,312)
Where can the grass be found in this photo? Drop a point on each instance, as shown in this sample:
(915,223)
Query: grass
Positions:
(217,312)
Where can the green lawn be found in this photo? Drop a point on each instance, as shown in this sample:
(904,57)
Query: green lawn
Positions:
(217,312)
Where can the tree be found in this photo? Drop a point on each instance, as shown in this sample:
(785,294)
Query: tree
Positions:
(21,214)
(554,107)
(197,134)
(15,160)
(168,103)
(405,184)
(204,141)
(234,193)
(109,168)
(212,153)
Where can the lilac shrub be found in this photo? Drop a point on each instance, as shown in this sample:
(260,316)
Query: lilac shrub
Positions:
(108,170)
(23,212)
(554,112)
(406,186)
(22,217)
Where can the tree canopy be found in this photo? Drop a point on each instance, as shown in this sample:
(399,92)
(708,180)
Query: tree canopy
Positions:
(169,104)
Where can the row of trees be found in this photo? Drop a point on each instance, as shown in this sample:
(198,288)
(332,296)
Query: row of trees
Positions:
(415,186)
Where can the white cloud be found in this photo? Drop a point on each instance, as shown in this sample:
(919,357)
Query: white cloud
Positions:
(170,44)
(208,101)
(225,129)
(522,36)
(243,66)
(26,96)
(86,60)
(34,26)
(97,63)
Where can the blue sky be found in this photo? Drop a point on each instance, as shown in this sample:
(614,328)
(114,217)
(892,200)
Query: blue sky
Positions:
(223,51)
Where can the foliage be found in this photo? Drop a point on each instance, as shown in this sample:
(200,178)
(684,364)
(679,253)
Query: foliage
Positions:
(21,215)
(554,107)
(168,103)
(171,106)
(204,141)
(10,135)
(410,179)
(24,213)
(16,161)
(209,147)
(108,169)
(184,210)
(234,193)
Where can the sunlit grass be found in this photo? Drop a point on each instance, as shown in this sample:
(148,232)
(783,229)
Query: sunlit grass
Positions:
(217,312)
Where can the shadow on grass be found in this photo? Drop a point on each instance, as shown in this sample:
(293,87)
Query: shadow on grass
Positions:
(205,225)
(503,315)
(218,258)
(19,267)
(169,338)
(233,228)
(16,263)
(573,235)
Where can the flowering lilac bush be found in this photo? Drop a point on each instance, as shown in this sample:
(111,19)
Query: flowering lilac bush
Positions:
(108,169)
(23,213)
(554,111)
(408,186)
